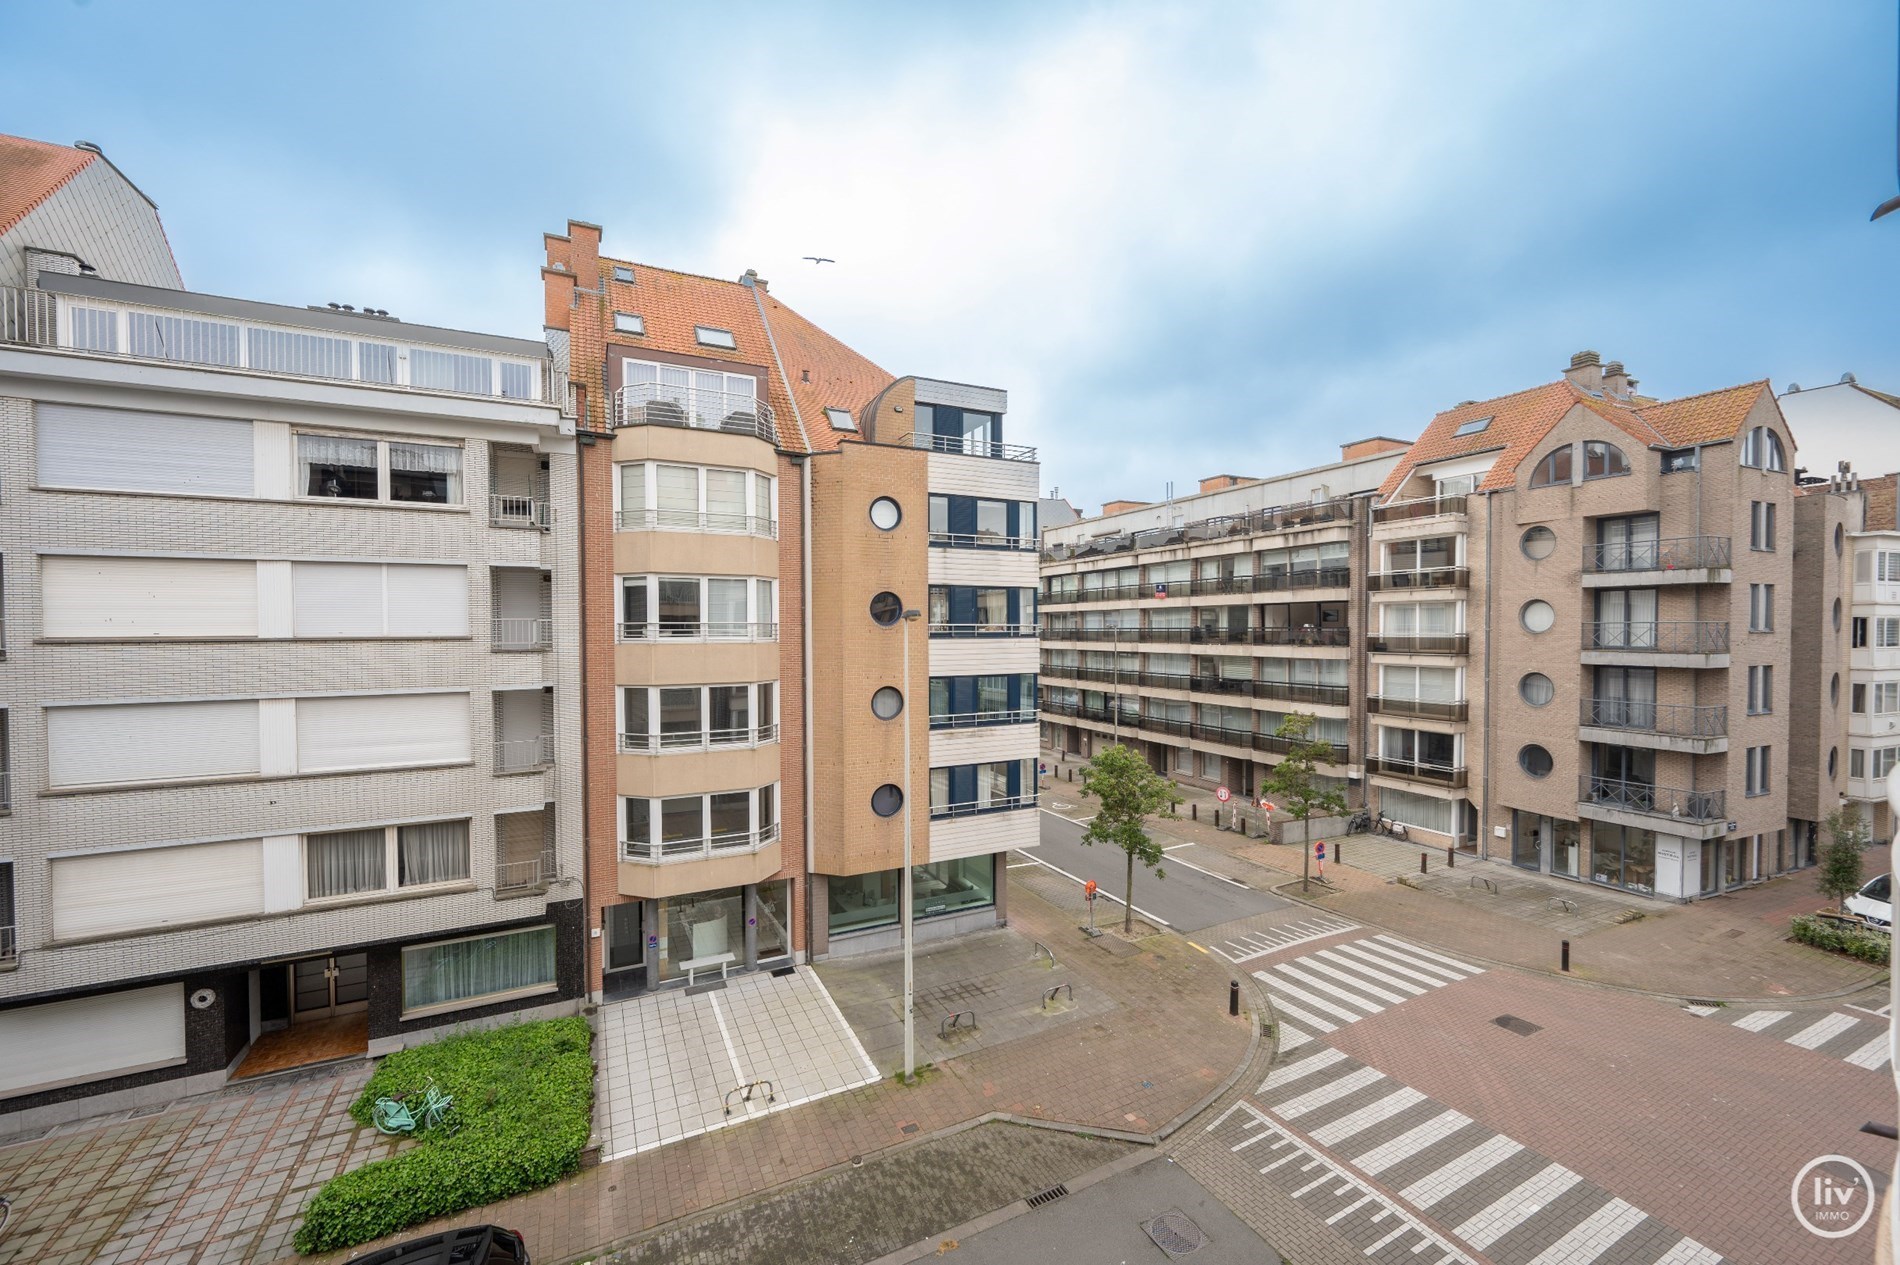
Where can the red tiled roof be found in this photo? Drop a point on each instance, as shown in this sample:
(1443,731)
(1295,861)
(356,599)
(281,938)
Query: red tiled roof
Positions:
(31,172)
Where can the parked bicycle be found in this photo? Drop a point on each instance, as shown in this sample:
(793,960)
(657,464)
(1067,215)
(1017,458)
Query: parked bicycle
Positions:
(412,1113)
(1389,828)
(1359,823)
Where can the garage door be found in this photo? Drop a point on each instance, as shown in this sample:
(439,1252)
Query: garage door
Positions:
(67,1042)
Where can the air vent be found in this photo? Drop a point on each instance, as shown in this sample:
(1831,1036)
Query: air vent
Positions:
(1175,1233)
(1048,1196)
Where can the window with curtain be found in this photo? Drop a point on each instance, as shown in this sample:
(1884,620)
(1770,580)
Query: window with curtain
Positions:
(344,863)
(633,492)
(992,608)
(433,852)
(451,371)
(725,608)
(336,467)
(463,972)
(428,473)
(676,495)
(725,500)
(761,499)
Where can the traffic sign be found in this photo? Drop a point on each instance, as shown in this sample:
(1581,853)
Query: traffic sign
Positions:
(1319,850)
(1267,804)
(1088,890)
(1223,794)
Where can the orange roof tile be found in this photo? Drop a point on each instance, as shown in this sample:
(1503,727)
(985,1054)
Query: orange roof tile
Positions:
(1705,418)
(31,172)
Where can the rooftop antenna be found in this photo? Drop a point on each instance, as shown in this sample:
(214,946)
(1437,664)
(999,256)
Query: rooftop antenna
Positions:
(1892,204)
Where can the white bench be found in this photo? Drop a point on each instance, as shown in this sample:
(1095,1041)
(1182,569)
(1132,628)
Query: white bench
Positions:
(720,960)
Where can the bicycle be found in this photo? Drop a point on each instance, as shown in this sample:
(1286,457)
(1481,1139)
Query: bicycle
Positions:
(1360,823)
(397,1116)
(6,1212)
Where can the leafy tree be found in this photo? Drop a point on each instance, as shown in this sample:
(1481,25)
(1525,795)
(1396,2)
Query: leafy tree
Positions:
(1128,792)
(1839,876)
(1291,786)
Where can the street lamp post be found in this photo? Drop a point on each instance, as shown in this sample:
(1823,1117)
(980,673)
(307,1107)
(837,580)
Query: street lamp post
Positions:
(907,914)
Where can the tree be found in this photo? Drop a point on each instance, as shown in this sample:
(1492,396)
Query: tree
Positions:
(1127,792)
(1291,784)
(1840,876)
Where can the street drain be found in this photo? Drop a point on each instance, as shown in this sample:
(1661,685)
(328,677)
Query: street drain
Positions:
(1048,1196)
(1174,1233)
(1523,1027)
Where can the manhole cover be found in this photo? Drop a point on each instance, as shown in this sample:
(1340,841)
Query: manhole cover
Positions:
(1174,1233)
(1523,1027)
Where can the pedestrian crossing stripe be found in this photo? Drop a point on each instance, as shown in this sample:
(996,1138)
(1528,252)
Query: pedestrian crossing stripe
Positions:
(1254,945)
(1324,990)
(1863,1042)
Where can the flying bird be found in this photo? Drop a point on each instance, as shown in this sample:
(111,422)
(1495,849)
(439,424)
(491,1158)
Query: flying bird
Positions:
(820,259)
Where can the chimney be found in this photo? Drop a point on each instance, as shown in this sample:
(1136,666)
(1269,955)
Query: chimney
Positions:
(1617,382)
(1369,447)
(1219,482)
(1586,371)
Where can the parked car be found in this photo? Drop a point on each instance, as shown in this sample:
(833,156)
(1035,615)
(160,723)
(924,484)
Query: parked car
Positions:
(473,1245)
(1874,902)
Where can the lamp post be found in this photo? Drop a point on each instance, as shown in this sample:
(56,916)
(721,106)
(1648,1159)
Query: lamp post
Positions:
(907,915)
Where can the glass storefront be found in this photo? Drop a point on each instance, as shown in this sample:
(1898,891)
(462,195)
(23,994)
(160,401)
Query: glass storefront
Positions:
(1623,856)
(774,912)
(1564,848)
(1527,839)
(699,927)
(859,902)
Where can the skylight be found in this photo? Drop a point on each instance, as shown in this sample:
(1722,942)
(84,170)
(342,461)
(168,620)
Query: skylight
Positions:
(840,419)
(1473,426)
(707,336)
(622,273)
(628,323)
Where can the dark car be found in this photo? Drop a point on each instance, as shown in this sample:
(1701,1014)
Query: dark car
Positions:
(475,1245)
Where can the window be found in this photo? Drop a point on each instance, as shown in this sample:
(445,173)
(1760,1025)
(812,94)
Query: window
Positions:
(458,973)
(1761,525)
(887,703)
(887,799)
(1857,762)
(1886,632)
(281,351)
(1537,616)
(1472,427)
(517,381)
(860,902)
(968,611)
(965,789)
(886,514)
(629,323)
(451,371)
(152,889)
(958,702)
(1884,760)
(1552,470)
(623,273)
(1859,633)
(886,609)
(1758,770)
(654,496)
(1536,689)
(159,337)
(359,862)
(674,395)
(1761,690)
(1886,696)
(1425,812)
(1680,460)
(694,827)
(1858,703)
(696,717)
(1534,760)
(1603,460)
(696,608)
(1538,543)
(335,466)
(1761,450)
(840,419)
(707,336)
(1761,608)
(373,599)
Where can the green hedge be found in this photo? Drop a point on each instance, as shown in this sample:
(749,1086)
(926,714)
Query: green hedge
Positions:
(1857,942)
(524,1098)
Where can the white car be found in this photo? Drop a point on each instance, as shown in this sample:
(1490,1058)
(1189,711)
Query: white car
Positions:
(1874,902)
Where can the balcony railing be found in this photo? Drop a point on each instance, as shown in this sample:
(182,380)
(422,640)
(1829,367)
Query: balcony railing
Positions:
(996,804)
(1425,507)
(29,317)
(692,520)
(1427,708)
(1416,770)
(975,720)
(1677,553)
(662,404)
(1259,522)
(517,755)
(1429,578)
(519,511)
(507,632)
(697,740)
(668,630)
(981,540)
(1305,635)
(1674,720)
(696,848)
(6,791)
(1654,801)
(984,630)
(9,946)
(1701,636)
(967,446)
(1421,643)
(535,872)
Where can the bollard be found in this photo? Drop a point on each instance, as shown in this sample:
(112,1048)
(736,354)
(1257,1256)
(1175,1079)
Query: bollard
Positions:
(1451,859)
(1422,857)
(1566,955)
(1194,812)
(1339,852)
(1233,997)
(1217,819)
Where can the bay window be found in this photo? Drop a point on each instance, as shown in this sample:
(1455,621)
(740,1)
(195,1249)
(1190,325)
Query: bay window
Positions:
(695,827)
(717,608)
(662,496)
(696,717)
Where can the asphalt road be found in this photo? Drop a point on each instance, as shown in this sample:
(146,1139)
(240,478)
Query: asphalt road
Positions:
(1187,899)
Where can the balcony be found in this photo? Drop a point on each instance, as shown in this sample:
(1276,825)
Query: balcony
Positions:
(1424,507)
(532,874)
(697,848)
(677,631)
(995,804)
(1424,708)
(967,446)
(1664,644)
(977,720)
(988,540)
(1259,522)
(694,521)
(1421,643)
(1656,726)
(519,511)
(524,755)
(1303,635)
(664,404)
(1408,581)
(1689,813)
(668,742)
(984,630)
(1415,771)
(1304,578)
(520,633)
(1676,560)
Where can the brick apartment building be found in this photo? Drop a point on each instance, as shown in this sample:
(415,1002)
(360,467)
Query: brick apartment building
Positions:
(762,508)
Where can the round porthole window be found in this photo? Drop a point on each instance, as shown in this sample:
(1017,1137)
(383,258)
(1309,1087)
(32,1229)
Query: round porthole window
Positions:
(886,514)
(887,703)
(886,609)
(1536,689)
(1538,543)
(1534,760)
(887,799)
(1537,616)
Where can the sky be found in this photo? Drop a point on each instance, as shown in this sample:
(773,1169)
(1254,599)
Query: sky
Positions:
(1188,239)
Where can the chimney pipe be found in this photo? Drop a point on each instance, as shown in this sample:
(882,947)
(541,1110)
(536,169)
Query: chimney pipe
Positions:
(1586,371)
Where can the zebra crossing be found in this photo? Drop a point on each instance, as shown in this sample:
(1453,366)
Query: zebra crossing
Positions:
(1864,1040)
(1336,1136)
(1322,991)
(1250,946)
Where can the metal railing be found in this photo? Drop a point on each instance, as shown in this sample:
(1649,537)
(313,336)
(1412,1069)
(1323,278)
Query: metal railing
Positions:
(1424,507)
(1428,708)
(1675,720)
(973,720)
(697,740)
(29,317)
(1277,519)
(1676,553)
(519,511)
(9,945)
(1699,636)
(1418,771)
(1304,635)
(697,848)
(508,632)
(1421,643)
(967,446)
(516,755)
(667,630)
(532,873)
(1429,578)
(1026,629)
(6,790)
(661,404)
(693,520)
(995,804)
(980,540)
(1655,801)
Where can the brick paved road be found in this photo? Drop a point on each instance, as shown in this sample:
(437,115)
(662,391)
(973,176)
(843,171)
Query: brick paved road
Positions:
(1859,1035)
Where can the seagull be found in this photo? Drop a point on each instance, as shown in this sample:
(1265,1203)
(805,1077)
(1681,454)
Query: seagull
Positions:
(820,259)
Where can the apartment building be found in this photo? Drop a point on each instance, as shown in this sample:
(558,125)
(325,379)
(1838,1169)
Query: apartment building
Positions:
(1874,657)
(774,528)
(290,765)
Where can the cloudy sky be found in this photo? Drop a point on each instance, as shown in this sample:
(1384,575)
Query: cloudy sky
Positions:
(1188,238)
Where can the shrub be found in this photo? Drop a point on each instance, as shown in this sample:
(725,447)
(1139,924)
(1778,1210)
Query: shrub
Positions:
(1857,942)
(524,1097)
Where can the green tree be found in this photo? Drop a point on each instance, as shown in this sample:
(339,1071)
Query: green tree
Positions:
(1839,876)
(1127,792)
(1291,784)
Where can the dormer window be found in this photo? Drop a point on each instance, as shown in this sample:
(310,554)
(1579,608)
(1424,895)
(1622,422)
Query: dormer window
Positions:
(840,419)
(707,336)
(628,323)
(623,273)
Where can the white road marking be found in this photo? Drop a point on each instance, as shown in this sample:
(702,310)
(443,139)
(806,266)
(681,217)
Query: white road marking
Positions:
(1364,1118)
(1821,1031)
(1360,983)
(1412,1141)
(1333,990)
(1439,975)
(1305,1067)
(1874,1054)
(1594,1236)
(1355,950)
(1346,963)
(1311,1021)
(1301,995)
(1177,847)
(1452,1175)
(1702,1011)
(1757,1020)
(1101,891)
(1885,1012)
(1514,1208)
(1689,1252)
(1231,882)
(1314,1099)
(1258,944)
(1341,1215)
(1454,963)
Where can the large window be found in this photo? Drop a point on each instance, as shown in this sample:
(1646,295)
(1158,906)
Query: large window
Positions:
(384,859)
(972,522)
(967,611)
(945,428)
(353,468)
(859,902)
(964,789)
(1423,811)
(697,717)
(1553,469)
(1623,856)
(698,608)
(1761,450)
(681,396)
(1602,460)
(691,827)
(656,496)
(478,969)
(958,702)
(1761,525)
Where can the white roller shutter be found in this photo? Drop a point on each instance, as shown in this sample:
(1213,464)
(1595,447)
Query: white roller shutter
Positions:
(67,1042)
(156,887)
(336,599)
(148,597)
(381,731)
(150,742)
(426,601)
(143,452)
